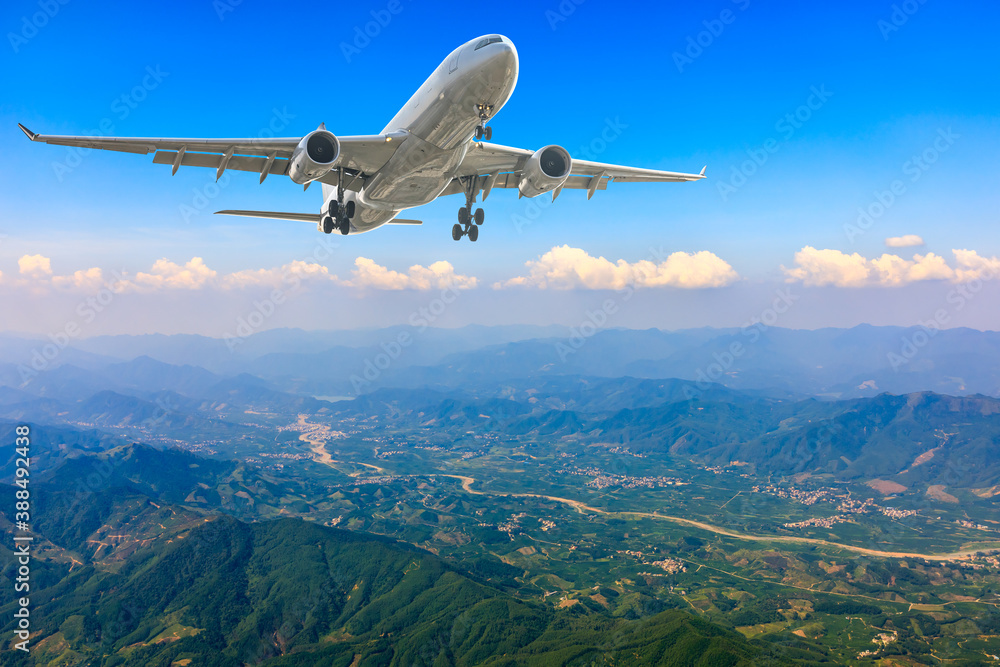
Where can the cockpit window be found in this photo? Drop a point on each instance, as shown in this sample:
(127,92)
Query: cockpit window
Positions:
(486,41)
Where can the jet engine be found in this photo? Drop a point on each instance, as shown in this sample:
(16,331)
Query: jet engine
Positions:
(545,170)
(314,157)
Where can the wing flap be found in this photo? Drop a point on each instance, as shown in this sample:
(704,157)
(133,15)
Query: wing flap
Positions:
(238,162)
(511,180)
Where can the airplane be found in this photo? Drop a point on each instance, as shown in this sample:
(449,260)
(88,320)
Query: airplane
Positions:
(435,146)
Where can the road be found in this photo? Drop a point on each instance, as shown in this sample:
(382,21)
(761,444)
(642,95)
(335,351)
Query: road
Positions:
(467,483)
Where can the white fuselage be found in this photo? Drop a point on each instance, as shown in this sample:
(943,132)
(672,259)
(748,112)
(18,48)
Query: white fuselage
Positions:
(440,121)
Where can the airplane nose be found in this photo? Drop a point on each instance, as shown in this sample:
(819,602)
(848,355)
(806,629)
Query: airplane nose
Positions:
(507,55)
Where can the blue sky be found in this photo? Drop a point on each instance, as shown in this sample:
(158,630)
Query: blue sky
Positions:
(894,76)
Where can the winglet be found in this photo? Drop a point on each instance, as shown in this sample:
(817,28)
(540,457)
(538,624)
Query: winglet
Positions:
(31,135)
(702,172)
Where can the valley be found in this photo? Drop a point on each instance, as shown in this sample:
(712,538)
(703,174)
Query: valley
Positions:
(858,531)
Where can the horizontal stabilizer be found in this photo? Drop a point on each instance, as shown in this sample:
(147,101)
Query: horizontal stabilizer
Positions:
(404,221)
(275,215)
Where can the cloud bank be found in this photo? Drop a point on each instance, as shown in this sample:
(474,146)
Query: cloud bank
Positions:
(166,275)
(564,267)
(819,268)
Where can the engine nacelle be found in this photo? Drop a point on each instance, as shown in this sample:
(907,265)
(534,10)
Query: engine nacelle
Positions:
(545,170)
(314,157)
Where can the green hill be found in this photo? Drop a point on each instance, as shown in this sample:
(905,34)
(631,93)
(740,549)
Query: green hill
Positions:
(290,592)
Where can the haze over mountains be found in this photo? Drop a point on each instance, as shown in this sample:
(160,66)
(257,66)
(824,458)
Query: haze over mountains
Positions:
(860,403)
(827,363)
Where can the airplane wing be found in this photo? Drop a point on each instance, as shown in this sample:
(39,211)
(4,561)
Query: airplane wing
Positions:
(362,154)
(503,164)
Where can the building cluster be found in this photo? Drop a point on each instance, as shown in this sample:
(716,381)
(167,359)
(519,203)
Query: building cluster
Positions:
(821,522)
(603,480)
(806,497)
(845,503)
(387,454)
(883,639)
(668,565)
(548,525)
(853,506)
(626,451)
(970,524)
(512,525)
(384,479)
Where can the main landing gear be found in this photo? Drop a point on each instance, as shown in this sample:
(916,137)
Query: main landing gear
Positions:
(468,222)
(340,213)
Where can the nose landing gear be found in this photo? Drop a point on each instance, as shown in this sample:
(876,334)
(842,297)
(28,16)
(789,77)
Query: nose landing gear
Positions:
(483,132)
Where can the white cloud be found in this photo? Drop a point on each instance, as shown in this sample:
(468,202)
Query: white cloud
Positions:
(291,274)
(438,275)
(196,274)
(564,267)
(829,267)
(906,241)
(832,267)
(167,274)
(973,267)
(35,266)
(90,280)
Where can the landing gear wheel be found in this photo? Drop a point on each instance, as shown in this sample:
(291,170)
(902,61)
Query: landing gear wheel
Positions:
(473,233)
(480,216)
(488,133)
(480,132)
(345,226)
(463,216)
(349,209)
(334,211)
(456,232)
(327,225)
